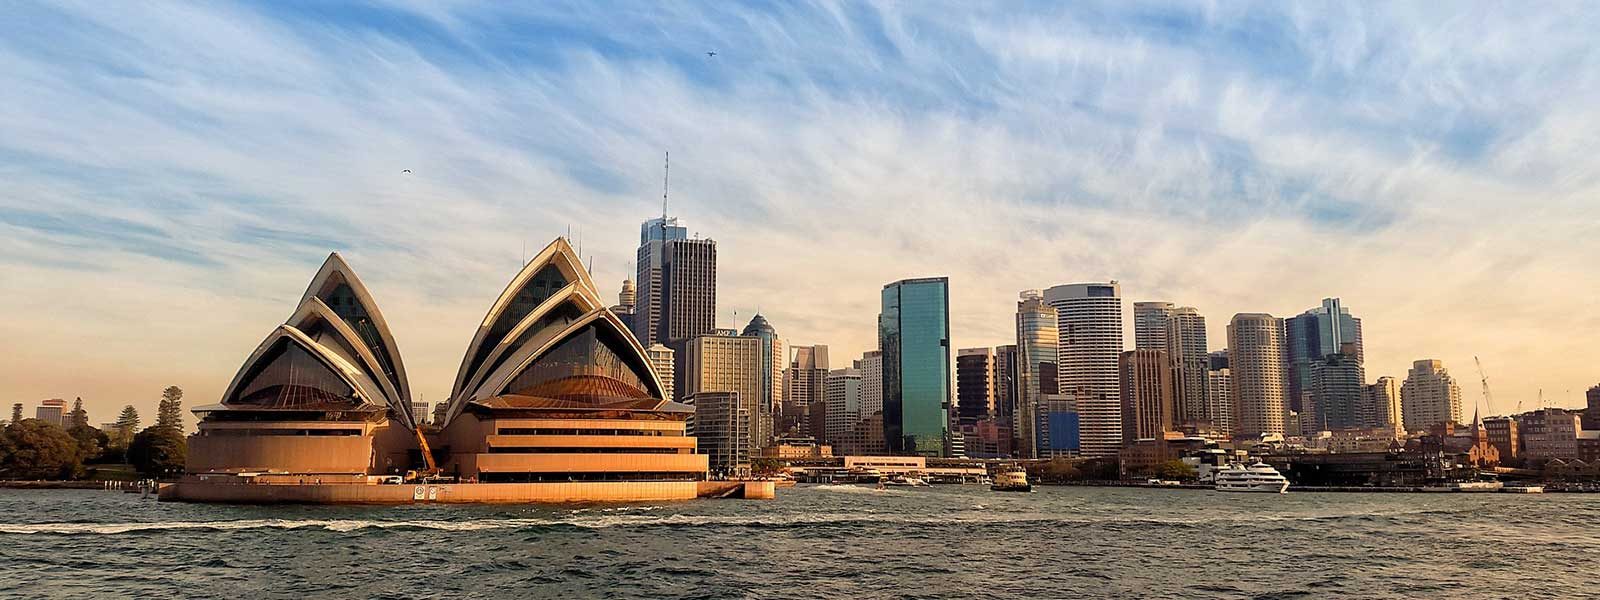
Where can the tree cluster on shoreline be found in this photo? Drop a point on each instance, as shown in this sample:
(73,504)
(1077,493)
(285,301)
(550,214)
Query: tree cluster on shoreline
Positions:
(37,449)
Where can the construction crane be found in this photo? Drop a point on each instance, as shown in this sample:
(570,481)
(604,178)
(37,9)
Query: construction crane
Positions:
(431,468)
(1488,400)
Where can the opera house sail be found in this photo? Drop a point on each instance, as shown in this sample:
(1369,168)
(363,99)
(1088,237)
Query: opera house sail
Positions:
(554,400)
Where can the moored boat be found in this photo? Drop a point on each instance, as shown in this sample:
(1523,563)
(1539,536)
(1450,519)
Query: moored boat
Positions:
(1256,477)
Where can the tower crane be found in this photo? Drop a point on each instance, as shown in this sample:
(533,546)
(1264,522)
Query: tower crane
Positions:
(1488,400)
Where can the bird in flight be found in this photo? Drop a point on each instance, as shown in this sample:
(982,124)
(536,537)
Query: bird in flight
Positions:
(712,54)
(405,170)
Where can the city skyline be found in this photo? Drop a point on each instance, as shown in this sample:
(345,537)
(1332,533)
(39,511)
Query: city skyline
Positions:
(152,229)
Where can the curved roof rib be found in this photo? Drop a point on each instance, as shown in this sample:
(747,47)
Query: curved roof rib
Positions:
(569,304)
(323,325)
(276,347)
(550,299)
(337,286)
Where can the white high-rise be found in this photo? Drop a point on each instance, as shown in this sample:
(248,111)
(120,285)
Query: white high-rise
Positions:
(1150,325)
(1429,396)
(1186,344)
(1089,324)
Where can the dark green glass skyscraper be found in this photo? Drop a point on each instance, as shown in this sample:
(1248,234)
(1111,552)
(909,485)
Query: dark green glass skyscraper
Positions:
(914,335)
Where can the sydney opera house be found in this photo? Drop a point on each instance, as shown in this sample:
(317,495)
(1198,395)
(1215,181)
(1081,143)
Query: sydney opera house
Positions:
(554,401)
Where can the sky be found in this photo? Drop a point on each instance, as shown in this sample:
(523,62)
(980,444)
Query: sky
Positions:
(172,174)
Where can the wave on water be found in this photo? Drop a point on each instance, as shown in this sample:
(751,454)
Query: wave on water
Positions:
(640,516)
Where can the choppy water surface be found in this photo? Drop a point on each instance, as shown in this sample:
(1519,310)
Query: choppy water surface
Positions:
(814,541)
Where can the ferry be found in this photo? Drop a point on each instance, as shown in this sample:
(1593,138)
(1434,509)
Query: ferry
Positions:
(905,481)
(1014,480)
(1257,477)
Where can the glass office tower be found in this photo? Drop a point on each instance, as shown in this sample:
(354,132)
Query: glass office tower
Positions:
(914,336)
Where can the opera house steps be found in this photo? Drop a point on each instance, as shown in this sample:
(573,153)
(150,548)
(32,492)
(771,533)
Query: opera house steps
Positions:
(554,401)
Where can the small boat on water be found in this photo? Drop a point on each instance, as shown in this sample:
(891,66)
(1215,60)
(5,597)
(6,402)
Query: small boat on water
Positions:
(1256,477)
(905,481)
(1523,489)
(1014,480)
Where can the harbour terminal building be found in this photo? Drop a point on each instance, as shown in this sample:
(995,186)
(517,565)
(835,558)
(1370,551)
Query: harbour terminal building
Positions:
(555,400)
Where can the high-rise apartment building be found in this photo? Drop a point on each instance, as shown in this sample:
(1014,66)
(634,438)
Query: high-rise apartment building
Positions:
(1089,346)
(867,434)
(53,410)
(422,409)
(1429,396)
(1314,334)
(1337,382)
(774,359)
(1150,325)
(1256,362)
(1036,371)
(1219,392)
(843,396)
(1148,395)
(1186,345)
(975,385)
(664,361)
(721,363)
(1380,402)
(914,336)
(803,389)
(871,382)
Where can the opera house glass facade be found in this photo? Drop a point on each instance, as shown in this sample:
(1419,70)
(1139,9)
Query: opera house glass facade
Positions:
(552,388)
(914,336)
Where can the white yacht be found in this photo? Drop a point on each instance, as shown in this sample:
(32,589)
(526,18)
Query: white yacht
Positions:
(1257,477)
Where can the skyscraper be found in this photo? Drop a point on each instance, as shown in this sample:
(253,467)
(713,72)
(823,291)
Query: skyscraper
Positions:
(1089,324)
(1036,370)
(1337,382)
(1429,396)
(721,429)
(803,388)
(774,360)
(689,278)
(1148,394)
(719,363)
(1219,392)
(1186,345)
(1381,403)
(843,412)
(1150,325)
(975,385)
(1005,387)
(1315,334)
(1256,362)
(867,436)
(651,264)
(914,336)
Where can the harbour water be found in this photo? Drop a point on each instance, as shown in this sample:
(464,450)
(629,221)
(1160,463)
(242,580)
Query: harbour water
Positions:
(814,541)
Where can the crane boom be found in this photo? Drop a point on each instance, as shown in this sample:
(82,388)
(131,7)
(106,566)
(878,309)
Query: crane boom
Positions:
(1488,401)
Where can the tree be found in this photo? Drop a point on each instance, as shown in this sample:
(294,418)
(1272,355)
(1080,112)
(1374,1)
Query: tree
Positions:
(16,413)
(34,449)
(92,443)
(78,417)
(1174,469)
(170,412)
(122,435)
(158,451)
